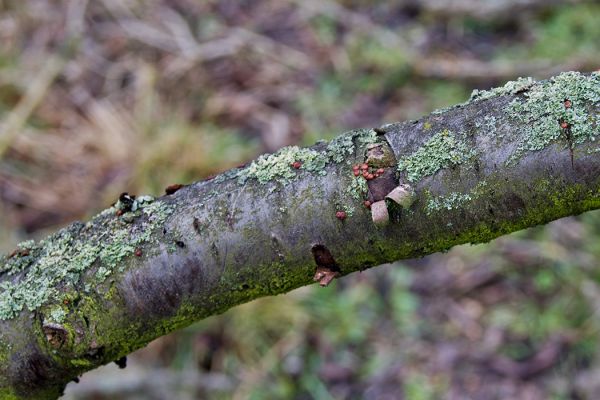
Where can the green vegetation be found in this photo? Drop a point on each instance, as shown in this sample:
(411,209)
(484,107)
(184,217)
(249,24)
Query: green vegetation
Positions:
(442,150)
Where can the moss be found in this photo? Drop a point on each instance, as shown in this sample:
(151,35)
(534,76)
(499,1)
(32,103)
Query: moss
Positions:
(543,109)
(443,150)
(60,260)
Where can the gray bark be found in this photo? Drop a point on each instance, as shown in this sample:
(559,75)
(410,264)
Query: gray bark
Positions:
(508,159)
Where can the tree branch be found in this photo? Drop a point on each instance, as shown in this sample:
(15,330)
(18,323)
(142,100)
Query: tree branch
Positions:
(509,158)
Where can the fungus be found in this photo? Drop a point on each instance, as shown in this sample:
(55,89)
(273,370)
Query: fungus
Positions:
(379,213)
(403,194)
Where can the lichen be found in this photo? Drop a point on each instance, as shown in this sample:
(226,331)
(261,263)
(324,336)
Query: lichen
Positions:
(453,200)
(60,260)
(512,87)
(57,315)
(543,110)
(489,125)
(279,166)
(442,150)
(358,188)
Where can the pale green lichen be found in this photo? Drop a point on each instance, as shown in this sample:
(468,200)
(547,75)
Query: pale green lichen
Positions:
(57,315)
(279,166)
(512,87)
(442,150)
(358,188)
(543,110)
(488,124)
(60,260)
(454,200)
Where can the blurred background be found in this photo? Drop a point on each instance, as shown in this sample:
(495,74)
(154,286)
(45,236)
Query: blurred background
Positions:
(105,96)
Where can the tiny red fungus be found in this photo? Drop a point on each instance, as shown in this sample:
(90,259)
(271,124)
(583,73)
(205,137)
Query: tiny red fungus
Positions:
(296,164)
(341,215)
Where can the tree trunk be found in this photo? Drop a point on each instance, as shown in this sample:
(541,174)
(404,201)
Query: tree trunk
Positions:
(509,158)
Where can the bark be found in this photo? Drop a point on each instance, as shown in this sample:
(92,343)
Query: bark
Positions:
(508,159)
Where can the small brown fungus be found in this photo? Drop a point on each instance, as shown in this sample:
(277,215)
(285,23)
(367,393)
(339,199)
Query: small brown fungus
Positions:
(324,276)
(296,164)
(56,334)
(367,204)
(327,269)
(173,188)
(564,124)
(341,215)
(138,252)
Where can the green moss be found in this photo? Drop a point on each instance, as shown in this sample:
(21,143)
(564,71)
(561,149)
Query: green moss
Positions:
(443,150)
(65,256)
(543,109)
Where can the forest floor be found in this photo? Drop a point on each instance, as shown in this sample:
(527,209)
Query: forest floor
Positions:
(103,97)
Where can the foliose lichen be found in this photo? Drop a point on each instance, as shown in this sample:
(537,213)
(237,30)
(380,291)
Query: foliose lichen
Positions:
(280,166)
(442,150)
(565,99)
(60,260)
(512,87)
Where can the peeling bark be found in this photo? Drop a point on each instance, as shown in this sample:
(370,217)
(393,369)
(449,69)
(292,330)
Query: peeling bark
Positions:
(149,267)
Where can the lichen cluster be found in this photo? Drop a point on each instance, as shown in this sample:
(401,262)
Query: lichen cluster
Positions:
(453,200)
(33,277)
(278,167)
(442,150)
(512,87)
(543,110)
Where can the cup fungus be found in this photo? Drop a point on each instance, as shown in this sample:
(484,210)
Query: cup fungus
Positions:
(403,194)
(379,213)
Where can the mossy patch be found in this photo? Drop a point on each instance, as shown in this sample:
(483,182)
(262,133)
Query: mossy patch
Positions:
(442,150)
(61,259)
